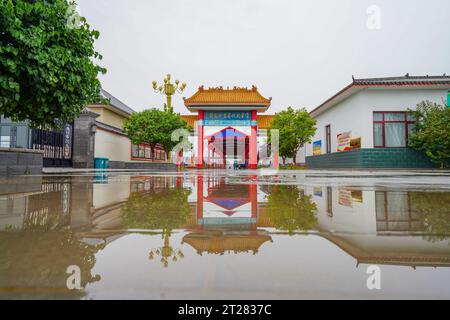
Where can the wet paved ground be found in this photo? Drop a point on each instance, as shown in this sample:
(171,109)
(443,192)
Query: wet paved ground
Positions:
(225,234)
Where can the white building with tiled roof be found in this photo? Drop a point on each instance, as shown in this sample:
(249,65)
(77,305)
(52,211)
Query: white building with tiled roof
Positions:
(366,124)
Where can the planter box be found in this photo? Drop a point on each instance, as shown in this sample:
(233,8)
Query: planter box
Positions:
(377,158)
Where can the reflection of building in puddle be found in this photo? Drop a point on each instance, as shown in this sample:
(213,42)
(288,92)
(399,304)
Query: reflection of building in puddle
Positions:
(226,218)
(223,205)
(36,263)
(395,227)
(46,206)
(386,227)
(411,251)
(220,242)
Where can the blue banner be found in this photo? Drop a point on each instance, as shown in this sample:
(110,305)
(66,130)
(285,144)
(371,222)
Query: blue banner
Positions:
(228,118)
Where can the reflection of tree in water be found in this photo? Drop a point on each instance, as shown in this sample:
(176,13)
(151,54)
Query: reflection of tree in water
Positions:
(165,209)
(290,209)
(35,263)
(433,211)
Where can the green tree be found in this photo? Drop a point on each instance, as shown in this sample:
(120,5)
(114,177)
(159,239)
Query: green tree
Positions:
(160,209)
(431,134)
(47,71)
(290,209)
(296,127)
(432,212)
(165,209)
(154,126)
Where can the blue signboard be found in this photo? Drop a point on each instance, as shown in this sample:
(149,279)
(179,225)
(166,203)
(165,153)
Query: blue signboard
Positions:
(228,118)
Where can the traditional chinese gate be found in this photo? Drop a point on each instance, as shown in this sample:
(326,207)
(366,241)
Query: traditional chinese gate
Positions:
(56,144)
(226,117)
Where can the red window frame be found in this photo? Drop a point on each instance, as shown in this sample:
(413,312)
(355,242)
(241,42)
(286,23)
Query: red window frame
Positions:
(383,121)
(159,153)
(144,145)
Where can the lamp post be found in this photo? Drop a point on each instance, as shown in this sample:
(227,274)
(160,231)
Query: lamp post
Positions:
(168,89)
(166,252)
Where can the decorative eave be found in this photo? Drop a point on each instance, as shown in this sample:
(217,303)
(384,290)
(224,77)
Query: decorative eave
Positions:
(220,99)
(220,243)
(364,255)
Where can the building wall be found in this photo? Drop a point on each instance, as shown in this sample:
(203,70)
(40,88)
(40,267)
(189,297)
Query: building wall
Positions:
(113,146)
(117,148)
(103,193)
(355,114)
(109,117)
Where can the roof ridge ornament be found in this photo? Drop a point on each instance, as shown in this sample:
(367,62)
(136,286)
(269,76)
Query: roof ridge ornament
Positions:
(243,88)
(227,96)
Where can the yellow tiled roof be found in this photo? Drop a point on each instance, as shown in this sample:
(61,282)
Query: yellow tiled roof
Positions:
(190,119)
(219,243)
(220,96)
(264,121)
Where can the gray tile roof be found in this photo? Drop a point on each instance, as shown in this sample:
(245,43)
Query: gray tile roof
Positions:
(116,103)
(404,80)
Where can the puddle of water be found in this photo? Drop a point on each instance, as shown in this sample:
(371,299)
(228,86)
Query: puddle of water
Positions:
(223,236)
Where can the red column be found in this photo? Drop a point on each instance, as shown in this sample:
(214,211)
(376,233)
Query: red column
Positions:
(253,190)
(201,117)
(200,201)
(276,160)
(179,182)
(208,157)
(253,145)
(180,158)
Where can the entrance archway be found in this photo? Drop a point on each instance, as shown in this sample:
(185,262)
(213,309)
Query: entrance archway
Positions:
(228,147)
(227,125)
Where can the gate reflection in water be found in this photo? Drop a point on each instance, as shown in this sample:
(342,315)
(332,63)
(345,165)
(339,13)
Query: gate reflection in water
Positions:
(257,228)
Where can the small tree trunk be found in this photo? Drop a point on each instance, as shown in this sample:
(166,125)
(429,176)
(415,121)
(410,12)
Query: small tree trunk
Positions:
(295,160)
(152,147)
(284,161)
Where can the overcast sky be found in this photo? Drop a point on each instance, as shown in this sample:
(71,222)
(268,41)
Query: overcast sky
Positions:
(298,52)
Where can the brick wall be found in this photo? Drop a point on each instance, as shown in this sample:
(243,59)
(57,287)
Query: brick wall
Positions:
(386,158)
(20,161)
